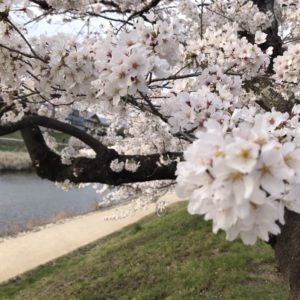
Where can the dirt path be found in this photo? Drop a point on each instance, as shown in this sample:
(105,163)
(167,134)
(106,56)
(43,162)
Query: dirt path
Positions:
(25,252)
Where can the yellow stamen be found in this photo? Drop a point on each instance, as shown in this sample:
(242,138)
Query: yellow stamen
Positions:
(236,176)
(264,170)
(260,141)
(245,154)
(289,159)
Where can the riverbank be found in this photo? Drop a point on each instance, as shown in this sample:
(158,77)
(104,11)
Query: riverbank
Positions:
(14,161)
(27,251)
(27,201)
(173,257)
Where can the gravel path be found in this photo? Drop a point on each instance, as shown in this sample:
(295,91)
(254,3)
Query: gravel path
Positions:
(27,251)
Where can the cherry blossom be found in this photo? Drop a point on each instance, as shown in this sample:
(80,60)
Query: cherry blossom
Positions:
(198,94)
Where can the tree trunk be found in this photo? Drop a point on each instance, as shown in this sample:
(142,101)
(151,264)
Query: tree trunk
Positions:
(287,252)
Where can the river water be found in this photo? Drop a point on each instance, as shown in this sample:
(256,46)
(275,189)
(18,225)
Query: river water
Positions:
(26,200)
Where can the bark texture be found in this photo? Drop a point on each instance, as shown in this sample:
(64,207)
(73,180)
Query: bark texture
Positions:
(287,252)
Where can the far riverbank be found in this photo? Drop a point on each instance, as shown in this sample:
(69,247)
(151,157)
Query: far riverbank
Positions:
(27,201)
(15,161)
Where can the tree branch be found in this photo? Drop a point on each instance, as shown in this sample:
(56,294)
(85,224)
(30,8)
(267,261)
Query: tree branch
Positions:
(273,39)
(144,10)
(48,164)
(42,4)
(35,120)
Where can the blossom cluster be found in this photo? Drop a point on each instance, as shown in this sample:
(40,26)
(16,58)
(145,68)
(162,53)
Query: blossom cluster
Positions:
(186,76)
(242,176)
(138,126)
(130,58)
(70,68)
(214,95)
(245,13)
(127,60)
(189,9)
(287,66)
(10,67)
(224,47)
(288,12)
(191,110)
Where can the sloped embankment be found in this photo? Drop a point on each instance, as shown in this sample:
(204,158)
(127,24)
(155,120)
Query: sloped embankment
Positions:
(15,161)
(172,257)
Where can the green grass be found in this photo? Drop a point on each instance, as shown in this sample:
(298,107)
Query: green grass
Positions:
(173,257)
(14,135)
(20,147)
(13,148)
(60,137)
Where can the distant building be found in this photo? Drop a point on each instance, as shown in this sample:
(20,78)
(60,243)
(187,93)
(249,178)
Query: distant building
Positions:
(76,119)
(94,123)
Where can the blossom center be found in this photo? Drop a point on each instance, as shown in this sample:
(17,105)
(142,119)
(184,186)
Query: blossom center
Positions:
(236,176)
(245,154)
(289,159)
(265,169)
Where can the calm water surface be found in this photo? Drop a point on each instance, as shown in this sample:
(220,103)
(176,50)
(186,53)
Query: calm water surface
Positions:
(27,199)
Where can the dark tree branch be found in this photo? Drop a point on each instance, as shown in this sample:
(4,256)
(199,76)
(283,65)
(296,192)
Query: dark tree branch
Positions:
(22,53)
(35,120)
(48,164)
(273,38)
(4,108)
(42,4)
(264,5)
(144,10)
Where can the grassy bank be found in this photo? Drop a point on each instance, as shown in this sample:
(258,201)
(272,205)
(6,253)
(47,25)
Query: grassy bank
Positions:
(15,161)
(19,146)
(174,257)
(14,156)
(13,147)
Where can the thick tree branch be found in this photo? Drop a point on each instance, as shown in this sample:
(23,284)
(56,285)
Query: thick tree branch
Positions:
(48,164)
(35,120)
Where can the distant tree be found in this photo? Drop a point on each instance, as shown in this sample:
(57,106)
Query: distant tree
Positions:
(205,92)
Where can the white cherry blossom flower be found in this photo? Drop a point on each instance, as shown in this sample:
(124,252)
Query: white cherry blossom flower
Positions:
(117,166)
(260,37)
(242,155)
